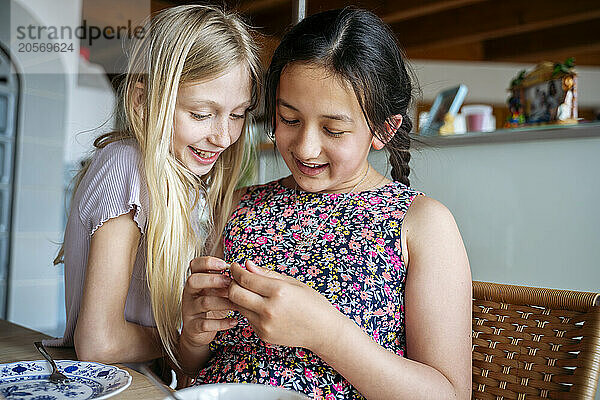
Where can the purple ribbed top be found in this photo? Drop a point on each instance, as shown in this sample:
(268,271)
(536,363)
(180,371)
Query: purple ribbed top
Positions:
(113,185)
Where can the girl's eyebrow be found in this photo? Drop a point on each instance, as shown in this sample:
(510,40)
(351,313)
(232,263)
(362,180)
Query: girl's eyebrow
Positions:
(336,117)
(202,102)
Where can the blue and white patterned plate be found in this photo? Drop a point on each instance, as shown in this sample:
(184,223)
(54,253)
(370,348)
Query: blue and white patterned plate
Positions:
(28,380)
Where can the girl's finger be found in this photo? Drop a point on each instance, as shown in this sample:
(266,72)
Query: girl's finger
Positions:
(209,303)
(212,325)
(208,264)
(254,282)
(198,282)
(245,299)
(252,267)
(224,292)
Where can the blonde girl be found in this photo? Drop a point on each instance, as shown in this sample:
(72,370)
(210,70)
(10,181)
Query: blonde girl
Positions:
(156,187)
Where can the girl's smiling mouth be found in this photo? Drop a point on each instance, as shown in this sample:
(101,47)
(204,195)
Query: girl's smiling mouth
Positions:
(310,169)
(203,156)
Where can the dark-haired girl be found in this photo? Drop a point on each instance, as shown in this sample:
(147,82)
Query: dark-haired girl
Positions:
(353,285)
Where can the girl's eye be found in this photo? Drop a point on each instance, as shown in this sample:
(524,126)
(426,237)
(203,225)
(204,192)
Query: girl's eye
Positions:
(333,133)
(199,117)
(290,122)
(238,116)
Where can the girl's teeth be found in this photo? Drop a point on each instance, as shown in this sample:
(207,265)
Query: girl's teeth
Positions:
(311,165)
(203,154)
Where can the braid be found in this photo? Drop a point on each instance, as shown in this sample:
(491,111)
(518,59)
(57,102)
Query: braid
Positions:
(399,150)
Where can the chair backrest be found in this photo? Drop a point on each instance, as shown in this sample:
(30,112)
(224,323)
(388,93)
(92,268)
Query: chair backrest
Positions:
(534,343)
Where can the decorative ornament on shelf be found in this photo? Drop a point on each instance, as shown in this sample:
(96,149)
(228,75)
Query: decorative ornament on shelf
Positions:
(545,95)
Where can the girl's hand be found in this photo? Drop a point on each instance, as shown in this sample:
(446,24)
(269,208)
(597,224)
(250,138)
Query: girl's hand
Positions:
(205,304)
(281,309)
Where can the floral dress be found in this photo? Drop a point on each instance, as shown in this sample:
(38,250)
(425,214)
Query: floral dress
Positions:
(355,261)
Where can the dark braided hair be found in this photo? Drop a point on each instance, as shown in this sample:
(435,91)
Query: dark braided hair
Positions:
(359,47)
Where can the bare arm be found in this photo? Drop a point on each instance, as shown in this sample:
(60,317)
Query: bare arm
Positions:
(438,320)
(102,333)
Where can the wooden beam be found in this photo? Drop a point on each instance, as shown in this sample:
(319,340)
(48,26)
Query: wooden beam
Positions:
(250,7)
(489,20)
(576,38)
(415,9)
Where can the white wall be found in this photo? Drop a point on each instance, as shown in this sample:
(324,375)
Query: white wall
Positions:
(55,113)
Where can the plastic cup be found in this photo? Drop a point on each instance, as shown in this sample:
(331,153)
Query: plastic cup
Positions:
(477,117)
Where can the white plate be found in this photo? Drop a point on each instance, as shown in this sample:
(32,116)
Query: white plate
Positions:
(28,380)
(237,391)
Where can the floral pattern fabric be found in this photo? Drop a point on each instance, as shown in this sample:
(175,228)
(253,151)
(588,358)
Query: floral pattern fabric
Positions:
(355,261)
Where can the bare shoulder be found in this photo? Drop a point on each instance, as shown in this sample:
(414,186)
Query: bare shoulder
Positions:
(426,216)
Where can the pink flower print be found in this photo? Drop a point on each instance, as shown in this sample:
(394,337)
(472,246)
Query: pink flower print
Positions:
(261,240)
(354,245)
(288,212)
(338,386)
(397,214)
(350,257)
(247,331)
(278,237)
(345,277)
(248,229)
(364,295)
(366,233)
(323,216)
(376,335)
(375,200)
(372,253)
(387,289)
(293,270)
(270,231)
(262,373)
(296,236)
(313,271)
(308,373)
(390,309)
(386,276)
(305,256)
(333,221)
(273,382)
(380,241)
(330,397)
(281,267)
(395,260)
(239,367)
(369,281)
(328,236)
(398,245)
(287,373)
(300,353)
(295,227)
(355,286)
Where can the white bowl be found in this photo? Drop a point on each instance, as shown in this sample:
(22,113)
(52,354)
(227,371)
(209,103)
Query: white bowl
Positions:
(237,391)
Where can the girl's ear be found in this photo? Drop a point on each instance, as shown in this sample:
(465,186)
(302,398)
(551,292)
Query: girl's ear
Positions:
(392,124)
(137,98)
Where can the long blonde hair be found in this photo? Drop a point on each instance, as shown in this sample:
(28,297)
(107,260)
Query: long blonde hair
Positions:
(181,45)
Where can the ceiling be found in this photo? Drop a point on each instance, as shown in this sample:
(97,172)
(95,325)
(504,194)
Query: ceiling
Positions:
(523,31)
(527,31)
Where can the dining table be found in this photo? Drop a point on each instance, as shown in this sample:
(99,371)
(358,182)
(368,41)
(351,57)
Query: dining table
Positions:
(16,344)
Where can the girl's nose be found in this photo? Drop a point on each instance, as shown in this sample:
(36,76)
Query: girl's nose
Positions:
(307,145)
(220,135)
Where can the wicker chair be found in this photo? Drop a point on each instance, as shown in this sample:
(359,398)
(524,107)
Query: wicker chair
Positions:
(534,343)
